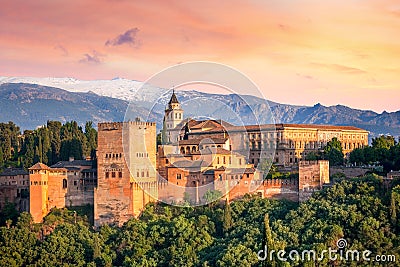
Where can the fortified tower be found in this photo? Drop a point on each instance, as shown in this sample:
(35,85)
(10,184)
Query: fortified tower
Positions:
(119,194)
(47,188)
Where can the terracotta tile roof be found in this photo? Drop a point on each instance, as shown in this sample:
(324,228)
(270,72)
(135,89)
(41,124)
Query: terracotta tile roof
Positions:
(194,124)
(218,150)
(196,141)
(282,126)
(189,164)
(236,170)
(320,126)
(39,166)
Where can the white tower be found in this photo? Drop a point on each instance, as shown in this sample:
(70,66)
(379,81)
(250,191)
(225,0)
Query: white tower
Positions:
(172,118)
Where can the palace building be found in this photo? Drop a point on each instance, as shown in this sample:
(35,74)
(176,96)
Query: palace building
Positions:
(285,144)
(196,156)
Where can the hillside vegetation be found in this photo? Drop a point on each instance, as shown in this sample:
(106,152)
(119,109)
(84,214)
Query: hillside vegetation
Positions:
(361,211)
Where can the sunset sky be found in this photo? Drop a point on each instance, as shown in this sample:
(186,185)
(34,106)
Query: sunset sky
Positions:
(297,52)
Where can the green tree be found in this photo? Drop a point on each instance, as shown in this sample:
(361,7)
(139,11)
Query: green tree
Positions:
(393,212)
(1,157)
(91,137)
(227,221)
(266,167)
(333,152)
(357,156)
(268,239)
(55,140)
(312,156)
(383,142)
(163,136)
(9,212)
(212,196)
(36,157)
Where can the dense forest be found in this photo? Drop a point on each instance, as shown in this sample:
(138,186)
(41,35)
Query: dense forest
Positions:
(56,141)
(47,144)
(361,211)
(384,150)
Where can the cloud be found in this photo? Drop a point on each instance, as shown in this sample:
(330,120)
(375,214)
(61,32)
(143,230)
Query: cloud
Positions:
(94,58)
(309,77)
(63,50)
(340,68)
(283,27)
(129,37)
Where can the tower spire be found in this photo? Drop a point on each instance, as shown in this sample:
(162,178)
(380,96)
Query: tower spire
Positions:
(174,99)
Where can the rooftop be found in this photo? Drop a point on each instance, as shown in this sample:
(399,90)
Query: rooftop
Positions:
(190,164)
(72,163)
(196,141)
(174,99)
(39,166)
(13,172)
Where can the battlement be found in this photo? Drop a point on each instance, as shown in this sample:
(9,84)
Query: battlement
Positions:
(313,162)
(109,126)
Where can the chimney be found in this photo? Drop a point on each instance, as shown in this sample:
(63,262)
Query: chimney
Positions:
(71,159)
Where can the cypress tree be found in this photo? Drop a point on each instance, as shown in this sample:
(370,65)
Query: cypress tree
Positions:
(268,240)
(393,214)
(227,222)
(1,157)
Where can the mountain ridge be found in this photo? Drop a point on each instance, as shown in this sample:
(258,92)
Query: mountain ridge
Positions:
(31,105)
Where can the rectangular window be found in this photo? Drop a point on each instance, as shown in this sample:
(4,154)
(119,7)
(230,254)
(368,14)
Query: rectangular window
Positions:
(120,174)
(178,176)
(107,175)
(113,174)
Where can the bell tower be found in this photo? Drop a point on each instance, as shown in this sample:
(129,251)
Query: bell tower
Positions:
(172,118)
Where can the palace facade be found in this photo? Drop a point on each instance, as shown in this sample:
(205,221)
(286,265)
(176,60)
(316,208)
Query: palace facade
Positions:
(195,157)
(283,144)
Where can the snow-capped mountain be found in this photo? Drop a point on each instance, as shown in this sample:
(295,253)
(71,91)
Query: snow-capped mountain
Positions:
(32,101)
(117,88)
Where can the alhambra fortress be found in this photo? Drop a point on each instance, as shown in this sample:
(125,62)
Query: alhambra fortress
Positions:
(196,157)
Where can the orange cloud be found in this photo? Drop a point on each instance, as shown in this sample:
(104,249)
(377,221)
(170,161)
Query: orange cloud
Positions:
(281,44)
